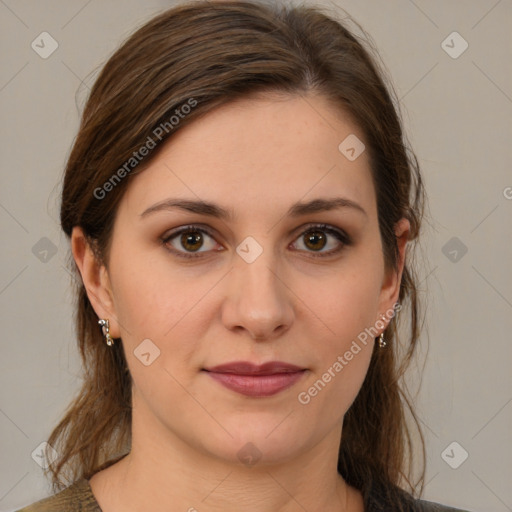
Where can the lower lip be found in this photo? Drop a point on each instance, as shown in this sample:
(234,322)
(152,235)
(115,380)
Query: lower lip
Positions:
(257,385)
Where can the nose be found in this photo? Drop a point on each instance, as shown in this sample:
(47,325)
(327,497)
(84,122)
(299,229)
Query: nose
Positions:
(257,300)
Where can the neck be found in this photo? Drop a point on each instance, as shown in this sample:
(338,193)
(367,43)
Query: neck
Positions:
(163,473)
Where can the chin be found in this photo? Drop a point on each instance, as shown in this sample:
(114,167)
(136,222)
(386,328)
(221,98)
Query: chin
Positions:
(256,442)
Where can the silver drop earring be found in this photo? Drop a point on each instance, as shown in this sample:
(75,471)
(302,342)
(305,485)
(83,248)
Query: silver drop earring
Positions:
(106,331)
(382,341)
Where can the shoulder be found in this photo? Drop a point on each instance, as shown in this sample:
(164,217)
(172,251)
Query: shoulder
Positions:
(77,497)
(430,506)
(381,497)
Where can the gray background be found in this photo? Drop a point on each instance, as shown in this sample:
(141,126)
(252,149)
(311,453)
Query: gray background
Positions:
(458,115)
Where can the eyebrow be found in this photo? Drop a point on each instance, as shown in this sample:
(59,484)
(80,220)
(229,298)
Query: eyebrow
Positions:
(213,210)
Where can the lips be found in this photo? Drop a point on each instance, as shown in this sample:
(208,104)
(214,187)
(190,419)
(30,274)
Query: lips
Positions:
(254,380)
(248,368)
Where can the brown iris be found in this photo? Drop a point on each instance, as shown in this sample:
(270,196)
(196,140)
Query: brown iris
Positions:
(192,240)
(313,238)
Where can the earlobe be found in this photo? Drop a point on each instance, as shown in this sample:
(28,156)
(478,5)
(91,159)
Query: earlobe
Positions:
(95,278)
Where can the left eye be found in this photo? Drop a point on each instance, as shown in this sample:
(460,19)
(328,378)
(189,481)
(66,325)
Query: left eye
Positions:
(190,241)
(316,238)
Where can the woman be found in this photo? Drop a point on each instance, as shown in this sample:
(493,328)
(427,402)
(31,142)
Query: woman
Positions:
(240,204)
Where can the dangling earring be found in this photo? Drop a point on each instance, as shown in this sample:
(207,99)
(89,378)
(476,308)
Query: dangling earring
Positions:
(106,331)
(382,341)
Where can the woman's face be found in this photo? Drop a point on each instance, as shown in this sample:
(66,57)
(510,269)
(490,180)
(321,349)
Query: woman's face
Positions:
(265,273)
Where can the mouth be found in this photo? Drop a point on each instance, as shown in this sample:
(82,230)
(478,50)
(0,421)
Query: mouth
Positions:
(254,380)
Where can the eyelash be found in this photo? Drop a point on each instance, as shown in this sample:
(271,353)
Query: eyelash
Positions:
(338,234)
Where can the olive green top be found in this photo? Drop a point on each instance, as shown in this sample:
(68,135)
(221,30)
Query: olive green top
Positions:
(79,498)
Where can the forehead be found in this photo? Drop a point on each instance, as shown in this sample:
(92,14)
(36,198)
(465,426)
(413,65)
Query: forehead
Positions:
(258,152)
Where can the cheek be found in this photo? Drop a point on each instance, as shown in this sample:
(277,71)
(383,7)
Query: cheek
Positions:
(348,307)
(336,379)
(156,303)
(150,298)
(347,302)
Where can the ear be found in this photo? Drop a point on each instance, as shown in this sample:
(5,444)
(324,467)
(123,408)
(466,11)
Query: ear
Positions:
(391,285)
(96,280)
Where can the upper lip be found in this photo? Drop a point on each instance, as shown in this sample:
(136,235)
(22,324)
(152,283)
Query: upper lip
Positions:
(248,368)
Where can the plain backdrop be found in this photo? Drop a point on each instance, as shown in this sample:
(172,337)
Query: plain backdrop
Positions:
(457,105)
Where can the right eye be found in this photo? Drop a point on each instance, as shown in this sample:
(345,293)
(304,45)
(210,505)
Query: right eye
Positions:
(187,242)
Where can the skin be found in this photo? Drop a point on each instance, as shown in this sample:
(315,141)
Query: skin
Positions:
(255,157)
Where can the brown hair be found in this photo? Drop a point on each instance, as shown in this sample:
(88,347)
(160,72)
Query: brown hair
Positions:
(203,55)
